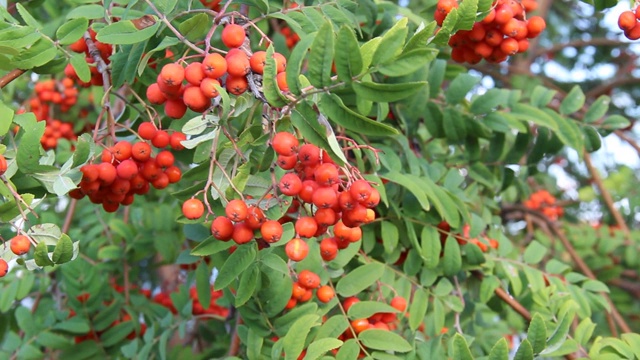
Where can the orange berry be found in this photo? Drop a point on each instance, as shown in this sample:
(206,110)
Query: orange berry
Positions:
(208,87)
(325,293)
(175,109)
(214,65)
(193,209)
(195,99)
(281,79)
(4,267)
(194,73)
(257,61)
(20,244)
(172,74)
(3,165)
(233,35)
(297,249)
(238,64)
(236,210)
(271,231)
(360,325)
(236,85)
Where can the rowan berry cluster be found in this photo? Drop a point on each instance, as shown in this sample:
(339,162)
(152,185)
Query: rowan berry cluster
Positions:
(51,95)
(505,31)
(128,169)
(95,333)
(544,202)
(80,46)
(164,299)
(629,22)
(204,78)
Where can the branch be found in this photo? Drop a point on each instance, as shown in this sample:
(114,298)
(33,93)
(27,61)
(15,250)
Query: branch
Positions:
(578,43)
(606,196)
(624,136)
(10,76)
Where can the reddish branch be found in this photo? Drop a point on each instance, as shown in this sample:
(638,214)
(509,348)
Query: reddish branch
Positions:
(10,76)
(625,136)
(606,196)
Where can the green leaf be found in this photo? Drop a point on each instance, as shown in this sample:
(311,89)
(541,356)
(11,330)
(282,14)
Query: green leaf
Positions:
(90,12)
(269,85)
(559,335)
(166,42)
(28,18)
(410,185)
(431,247)
(585,329)
(541,96)
(390,236)
(321,57)
(455,126)
(117,333)
(247,285)
(294,341)
(41,255)
(349,350)
(467,14)
(40,53)
(333,107)
(592,139)
(488,101)
(534,253)
(420,38)
(573,101)
(499,351)
(408,62)
(203,285)
(294,63)
(124,32)
(333,327)
(72,31)
(365,309)
(568,131)
(165,6)
(63,252)
(451,260)
(537,334)
(210,246)
(53,341)
(529,113)
(387,92)
(348,58)
(461,348)
(488,287)
(615,122)
(459,88)
(238,262)
(384,340)
(595,286)
(633,340)
(359,279)
(75,325)
(6,118)
(305,119)
(597,110)
(525,351)
(319,347)
(391,43)
(418,308)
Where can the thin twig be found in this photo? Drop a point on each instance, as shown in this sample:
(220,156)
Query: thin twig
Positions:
(10,76)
